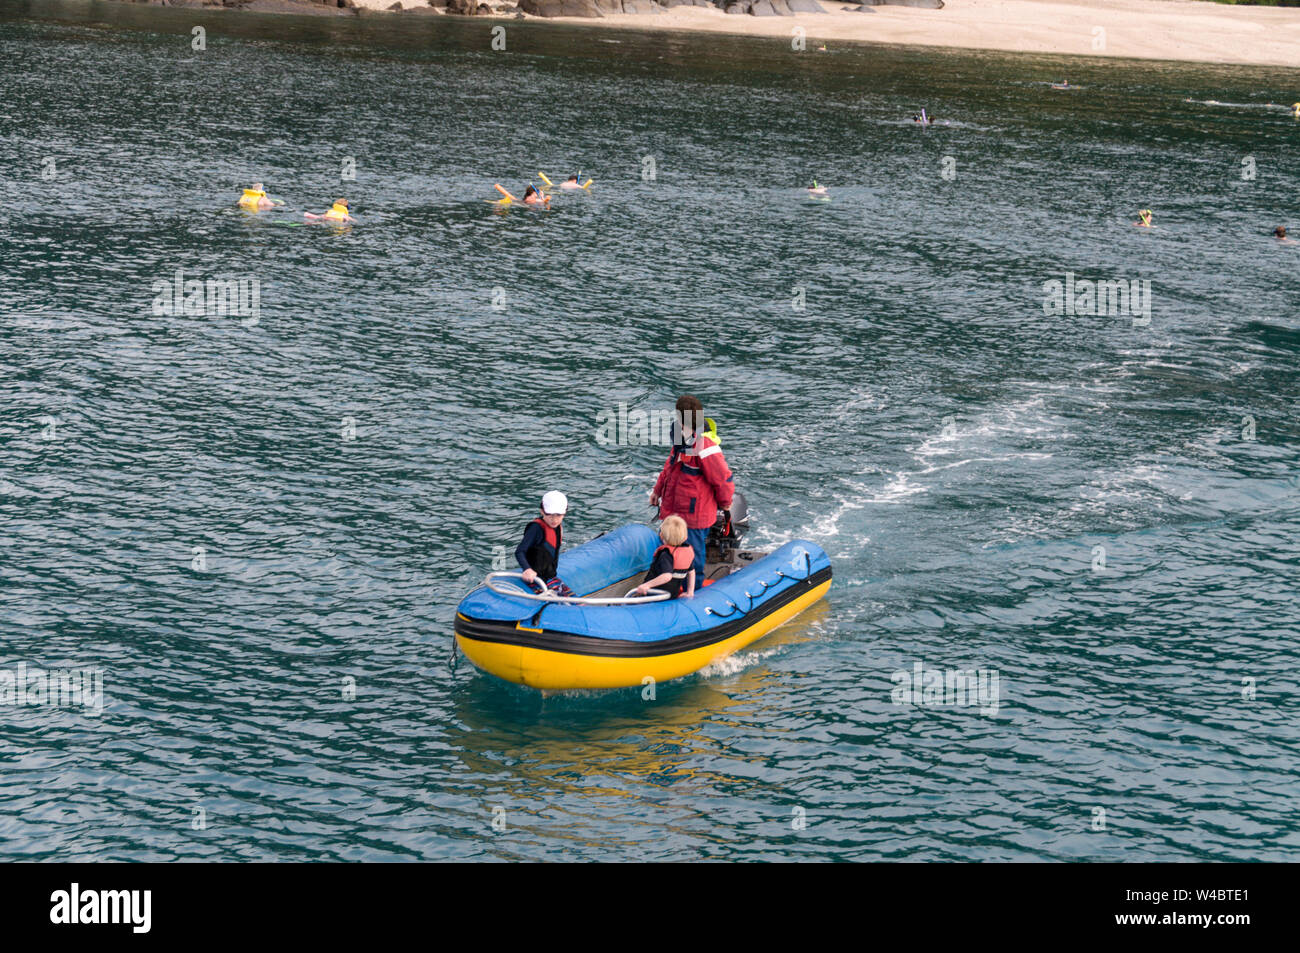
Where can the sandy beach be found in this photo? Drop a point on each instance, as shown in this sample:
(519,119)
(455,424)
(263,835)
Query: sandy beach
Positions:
(1148,29)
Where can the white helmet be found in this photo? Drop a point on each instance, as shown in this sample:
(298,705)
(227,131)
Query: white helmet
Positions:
(555,502)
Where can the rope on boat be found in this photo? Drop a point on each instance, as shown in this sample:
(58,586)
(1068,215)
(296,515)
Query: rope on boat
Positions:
(766,586)
(807,556)
(708,610)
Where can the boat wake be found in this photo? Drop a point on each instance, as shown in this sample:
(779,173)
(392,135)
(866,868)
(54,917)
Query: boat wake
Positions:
(733,664)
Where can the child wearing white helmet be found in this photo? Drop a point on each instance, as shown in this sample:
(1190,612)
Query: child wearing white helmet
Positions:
(538,552)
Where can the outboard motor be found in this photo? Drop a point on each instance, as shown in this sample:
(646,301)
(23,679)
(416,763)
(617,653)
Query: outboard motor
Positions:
(725,535)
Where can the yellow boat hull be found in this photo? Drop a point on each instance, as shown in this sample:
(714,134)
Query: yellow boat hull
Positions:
(552,670)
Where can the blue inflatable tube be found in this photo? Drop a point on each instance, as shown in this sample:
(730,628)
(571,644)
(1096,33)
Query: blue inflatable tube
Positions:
(556,645)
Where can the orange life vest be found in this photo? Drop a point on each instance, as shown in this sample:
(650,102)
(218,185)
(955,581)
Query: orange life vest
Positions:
(683,557)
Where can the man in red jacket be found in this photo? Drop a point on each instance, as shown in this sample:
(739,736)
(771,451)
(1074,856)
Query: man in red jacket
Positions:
(695,481)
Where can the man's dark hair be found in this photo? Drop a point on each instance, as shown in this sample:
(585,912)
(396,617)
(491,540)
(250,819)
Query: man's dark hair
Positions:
(690,413)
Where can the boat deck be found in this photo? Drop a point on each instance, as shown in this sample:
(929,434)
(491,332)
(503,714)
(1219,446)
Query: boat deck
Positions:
(712,570)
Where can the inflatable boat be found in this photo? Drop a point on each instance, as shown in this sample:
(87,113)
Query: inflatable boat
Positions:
(607,637)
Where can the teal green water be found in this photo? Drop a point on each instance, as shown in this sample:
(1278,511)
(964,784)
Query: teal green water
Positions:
(957,451)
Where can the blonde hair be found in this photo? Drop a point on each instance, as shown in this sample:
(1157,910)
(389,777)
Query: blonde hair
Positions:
(673,532)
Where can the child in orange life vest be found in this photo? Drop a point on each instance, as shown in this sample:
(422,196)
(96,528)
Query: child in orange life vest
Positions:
(671,568)
(539,551)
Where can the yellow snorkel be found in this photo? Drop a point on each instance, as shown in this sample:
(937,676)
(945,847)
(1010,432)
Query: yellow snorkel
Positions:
(712,431)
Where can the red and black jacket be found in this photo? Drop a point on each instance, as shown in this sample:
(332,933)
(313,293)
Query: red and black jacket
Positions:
(694,483)
(540,549)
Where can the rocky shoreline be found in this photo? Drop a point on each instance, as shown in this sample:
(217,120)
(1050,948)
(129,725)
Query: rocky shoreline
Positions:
(1193,31)
(536,8)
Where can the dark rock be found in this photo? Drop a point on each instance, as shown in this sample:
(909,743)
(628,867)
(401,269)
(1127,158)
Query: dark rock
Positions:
(862,9)
(245,4)
(762,8)
(805,6)
(739,7)
(560,8)
(286,6)
(918,4)
(627,6)
(462,8)
(484,10)
(781,9)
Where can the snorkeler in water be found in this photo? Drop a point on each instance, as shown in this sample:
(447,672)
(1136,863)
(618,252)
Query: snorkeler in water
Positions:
(923,119)
(534,197)
(817,191)
(1280,234)
(256,199)
(1145,216)
(338,214)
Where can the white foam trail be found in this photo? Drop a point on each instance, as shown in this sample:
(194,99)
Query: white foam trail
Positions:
(1009,421)
(1002,459)
(736,662)
(898,489)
